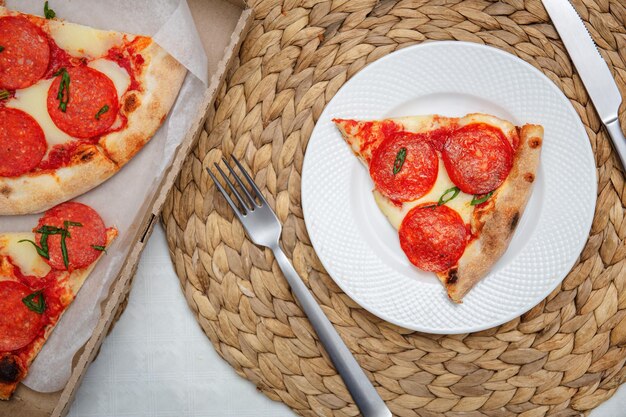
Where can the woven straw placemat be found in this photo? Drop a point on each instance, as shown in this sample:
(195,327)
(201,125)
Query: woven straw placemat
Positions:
(562,358)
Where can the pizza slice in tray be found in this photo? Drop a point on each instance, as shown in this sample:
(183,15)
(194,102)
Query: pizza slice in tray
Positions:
(76,104)
(454,188)
(40,274)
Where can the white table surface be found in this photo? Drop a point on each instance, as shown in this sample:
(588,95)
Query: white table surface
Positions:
(158,362)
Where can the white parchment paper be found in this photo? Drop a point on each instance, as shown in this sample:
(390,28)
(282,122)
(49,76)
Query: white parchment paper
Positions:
(119,200)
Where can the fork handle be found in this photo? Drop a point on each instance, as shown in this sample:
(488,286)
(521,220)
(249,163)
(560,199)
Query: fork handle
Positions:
(619,142)
(361,389)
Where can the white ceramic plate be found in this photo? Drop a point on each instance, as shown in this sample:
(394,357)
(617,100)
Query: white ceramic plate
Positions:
(360,249)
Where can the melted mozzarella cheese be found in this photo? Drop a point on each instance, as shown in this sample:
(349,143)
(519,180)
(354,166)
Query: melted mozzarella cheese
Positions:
(418,123)
(461,203)
(23,255)
(117,74)
(33,100)
(506,127)
(82,41)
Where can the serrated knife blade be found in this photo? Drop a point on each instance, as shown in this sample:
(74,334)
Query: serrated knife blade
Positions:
(591,67)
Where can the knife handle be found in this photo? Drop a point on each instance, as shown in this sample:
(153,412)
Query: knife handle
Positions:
(618,139)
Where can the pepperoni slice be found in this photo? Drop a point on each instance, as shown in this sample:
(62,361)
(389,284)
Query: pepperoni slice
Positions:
(18,324)
(478,158)
(22,143)
(24,59)
(89,92)
(404,167)
(80,242)
(433,237)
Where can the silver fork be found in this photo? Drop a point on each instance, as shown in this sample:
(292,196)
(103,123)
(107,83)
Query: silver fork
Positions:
(264,229)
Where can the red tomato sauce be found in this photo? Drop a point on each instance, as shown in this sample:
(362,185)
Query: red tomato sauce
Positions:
(374,133)
(59,59)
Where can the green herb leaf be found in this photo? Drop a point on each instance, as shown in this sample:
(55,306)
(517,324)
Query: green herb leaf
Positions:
(1,48)
(49,230)
(400,157)
(48,12)
(67,224)
(475,201)
(43,252)
(4,94)
(103,110)
(443,199)
(100,248)
(66,260)
(37,306)
(64,89)
(45,231)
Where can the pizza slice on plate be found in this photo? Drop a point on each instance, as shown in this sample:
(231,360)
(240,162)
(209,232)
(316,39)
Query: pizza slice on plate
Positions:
(40,274)
(454,188)
(76,104)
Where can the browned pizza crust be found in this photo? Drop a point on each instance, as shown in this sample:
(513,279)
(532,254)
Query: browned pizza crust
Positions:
(32,193)
(12,370)
(495,222)
(145,110)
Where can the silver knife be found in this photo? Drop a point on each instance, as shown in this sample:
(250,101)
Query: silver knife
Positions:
(591,67)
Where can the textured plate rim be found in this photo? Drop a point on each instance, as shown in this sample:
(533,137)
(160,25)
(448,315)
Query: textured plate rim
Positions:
(531,303)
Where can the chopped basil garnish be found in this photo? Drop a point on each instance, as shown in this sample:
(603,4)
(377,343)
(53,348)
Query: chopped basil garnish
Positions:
(64,235)
(45,231)
(64,89)
(443,199)
(100,248)
(39,305)
(48,12)
(475,201)
(4,94)
(67,224)
(400,157)
(1,48)
(41,251)
(103,110)
(66,259)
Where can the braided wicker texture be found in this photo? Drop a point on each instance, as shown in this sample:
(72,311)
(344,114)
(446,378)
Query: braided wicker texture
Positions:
(562,358)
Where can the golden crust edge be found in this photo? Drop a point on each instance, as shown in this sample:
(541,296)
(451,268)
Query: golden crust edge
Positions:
(497,221)
(34,193)
(161,84)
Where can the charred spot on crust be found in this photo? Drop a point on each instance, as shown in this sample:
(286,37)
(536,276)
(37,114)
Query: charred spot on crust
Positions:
(529,177)
(534,142)
(131,103)
(5,190)
(10,368)
(87,156)
(453,277)
(514,220)
(84,154)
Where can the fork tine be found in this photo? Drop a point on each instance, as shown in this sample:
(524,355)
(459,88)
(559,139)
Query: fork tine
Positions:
(243,187)
(251,182)
(225,194)
(244,208)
